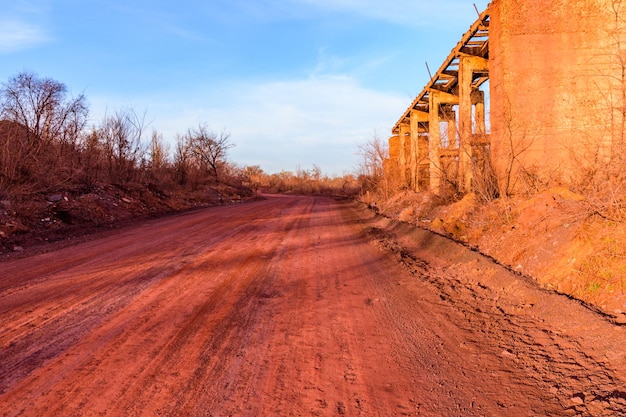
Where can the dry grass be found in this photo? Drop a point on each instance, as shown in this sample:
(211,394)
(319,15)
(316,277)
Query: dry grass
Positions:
(552,236)
(600,275)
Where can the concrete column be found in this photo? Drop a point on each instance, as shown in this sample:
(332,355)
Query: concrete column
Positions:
(423,166)
(392,167)
(468,65)
(417,118)
(394,148)
(404,160)
(436,98)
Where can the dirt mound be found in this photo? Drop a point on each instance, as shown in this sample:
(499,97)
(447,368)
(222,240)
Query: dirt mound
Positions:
(52,217)
(453,219)
(553,237)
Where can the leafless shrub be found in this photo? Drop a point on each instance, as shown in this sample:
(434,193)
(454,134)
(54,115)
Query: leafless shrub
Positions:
(372,175)
(40,129)
(598,161)
(209,149)
(120,136)
(484,179)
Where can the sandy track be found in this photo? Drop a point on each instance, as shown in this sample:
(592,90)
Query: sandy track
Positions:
(284,307)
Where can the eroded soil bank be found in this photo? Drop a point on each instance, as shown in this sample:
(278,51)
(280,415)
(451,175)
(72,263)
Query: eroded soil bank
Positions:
(557,237)
(294,306)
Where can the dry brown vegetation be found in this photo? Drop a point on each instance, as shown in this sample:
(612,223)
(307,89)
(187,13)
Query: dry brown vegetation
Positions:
(559,218)
(304,182)
(566,232)
(59,176)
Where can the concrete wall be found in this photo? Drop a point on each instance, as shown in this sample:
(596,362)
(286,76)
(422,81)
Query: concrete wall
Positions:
(551,64)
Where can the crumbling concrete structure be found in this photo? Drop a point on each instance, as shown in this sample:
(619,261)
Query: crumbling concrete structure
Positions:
(556,86)
(554,75)
(447,118)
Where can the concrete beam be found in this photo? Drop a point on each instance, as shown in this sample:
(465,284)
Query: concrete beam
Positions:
(442,98)
(419,116)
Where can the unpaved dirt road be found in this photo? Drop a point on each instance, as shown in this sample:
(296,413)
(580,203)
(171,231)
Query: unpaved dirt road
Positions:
(293,306)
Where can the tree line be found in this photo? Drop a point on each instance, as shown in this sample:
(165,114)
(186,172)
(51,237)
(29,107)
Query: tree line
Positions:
(46,145)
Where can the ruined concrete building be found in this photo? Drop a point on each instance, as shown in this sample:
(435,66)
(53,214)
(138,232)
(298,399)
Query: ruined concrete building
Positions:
(535,89)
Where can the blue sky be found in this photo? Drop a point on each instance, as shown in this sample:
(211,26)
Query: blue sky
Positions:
(295,82)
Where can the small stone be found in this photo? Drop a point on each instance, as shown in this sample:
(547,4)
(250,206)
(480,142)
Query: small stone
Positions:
(578,399)
(5,203)
(18,249)
(507,354)
(126,200)
(55,198)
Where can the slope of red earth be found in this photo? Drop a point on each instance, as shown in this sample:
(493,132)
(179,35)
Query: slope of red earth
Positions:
(39,219)
(556,237)
(294,306)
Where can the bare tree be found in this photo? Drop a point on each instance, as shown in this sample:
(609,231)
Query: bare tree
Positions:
(45,126)
(254,176)
(209,148)
(41,106)
(159,152)
(121,134)
(517,143)
(600,165)
(181,160)
(618,86)
(373,154)
(90,158)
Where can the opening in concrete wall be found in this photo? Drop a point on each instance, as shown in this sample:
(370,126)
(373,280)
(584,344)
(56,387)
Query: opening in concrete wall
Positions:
(476,127)
(448,127)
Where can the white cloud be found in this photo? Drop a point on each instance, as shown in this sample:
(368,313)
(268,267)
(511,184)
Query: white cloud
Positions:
(16,35)
(318,120)
(277,124)
(406,12)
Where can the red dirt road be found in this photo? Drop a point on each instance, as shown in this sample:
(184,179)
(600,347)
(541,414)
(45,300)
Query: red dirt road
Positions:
(293,306)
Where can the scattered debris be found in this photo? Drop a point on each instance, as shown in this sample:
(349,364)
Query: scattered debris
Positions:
(55,198)
(59,216)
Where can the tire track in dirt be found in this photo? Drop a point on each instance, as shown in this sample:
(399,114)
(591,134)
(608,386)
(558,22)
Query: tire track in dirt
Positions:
(102,296)
(504,310)
(284,307)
